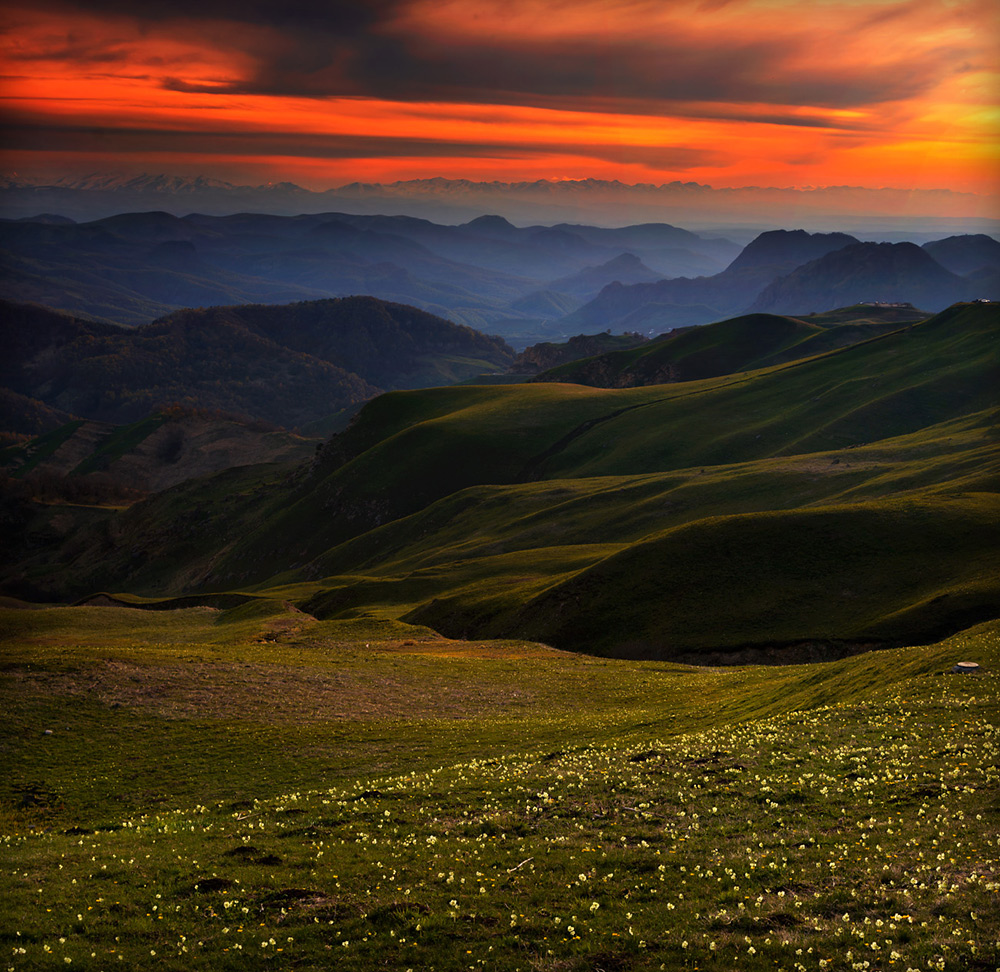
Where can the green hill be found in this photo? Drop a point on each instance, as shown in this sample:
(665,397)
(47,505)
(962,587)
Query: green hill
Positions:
(407,450)
(844,499)
(376,796)
(739,344)
(861,573)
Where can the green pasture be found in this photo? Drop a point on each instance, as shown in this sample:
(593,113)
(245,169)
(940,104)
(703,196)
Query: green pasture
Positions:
(254,788)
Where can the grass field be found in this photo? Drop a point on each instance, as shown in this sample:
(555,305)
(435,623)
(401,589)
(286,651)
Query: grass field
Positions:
(254,788)
(309,724)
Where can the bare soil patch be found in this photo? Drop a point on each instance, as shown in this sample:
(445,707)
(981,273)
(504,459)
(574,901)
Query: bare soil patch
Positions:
(448,648)
(282,694)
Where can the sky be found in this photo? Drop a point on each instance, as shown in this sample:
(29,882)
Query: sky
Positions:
(875,93)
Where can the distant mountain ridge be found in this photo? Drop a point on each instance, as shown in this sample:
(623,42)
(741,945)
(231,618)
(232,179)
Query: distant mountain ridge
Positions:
(528,284)
(625,269)
(134,267)
(728,292)
(793,272)
(965,254)
(787,249)
(100,194)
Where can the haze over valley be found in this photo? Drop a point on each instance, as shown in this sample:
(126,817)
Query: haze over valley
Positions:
(521,283)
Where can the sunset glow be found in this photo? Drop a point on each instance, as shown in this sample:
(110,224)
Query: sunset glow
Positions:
(747,92)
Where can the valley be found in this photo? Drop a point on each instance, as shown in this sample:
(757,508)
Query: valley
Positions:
(845,499)
(335,631)
(500,487)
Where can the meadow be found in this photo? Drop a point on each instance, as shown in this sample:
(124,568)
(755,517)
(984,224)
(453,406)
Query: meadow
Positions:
(253,788)
(311,722)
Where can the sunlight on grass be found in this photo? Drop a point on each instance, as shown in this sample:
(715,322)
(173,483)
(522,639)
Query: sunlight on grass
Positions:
(192,794)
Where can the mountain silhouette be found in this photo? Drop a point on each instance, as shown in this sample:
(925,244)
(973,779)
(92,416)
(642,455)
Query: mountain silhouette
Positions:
(700,300)
(884,272)
(966,254)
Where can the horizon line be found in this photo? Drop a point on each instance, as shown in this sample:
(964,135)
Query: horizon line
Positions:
(40,183)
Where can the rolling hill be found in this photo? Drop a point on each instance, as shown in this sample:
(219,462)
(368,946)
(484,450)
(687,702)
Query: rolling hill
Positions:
(740,344)
(289,365)
(831,503)
(153,454)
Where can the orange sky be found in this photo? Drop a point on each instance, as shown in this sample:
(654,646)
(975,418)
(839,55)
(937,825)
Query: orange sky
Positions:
(896,93)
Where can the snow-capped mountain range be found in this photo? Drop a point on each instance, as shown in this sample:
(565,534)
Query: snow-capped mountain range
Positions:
(610,203)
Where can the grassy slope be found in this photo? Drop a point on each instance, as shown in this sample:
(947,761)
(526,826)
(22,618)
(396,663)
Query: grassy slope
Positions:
(360,779)
(868,314)
(469,563)
(619,467)
(864,572)
(496,510)
(738,344)
(892,385)
(407,450)
(255,789)
(956,455)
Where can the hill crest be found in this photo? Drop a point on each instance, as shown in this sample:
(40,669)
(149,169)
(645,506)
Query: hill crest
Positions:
(739,344)
(290,365)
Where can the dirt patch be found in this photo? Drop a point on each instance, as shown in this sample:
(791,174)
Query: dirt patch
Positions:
(448,648)
(281,694)
(79,446)
(189,447)
(182,448)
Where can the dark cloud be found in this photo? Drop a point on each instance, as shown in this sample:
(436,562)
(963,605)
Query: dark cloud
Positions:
(85,138)
(342,17)
(77,52)
(637,78)
(323,49)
